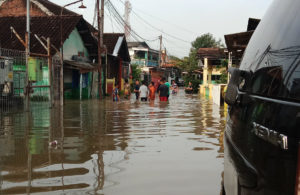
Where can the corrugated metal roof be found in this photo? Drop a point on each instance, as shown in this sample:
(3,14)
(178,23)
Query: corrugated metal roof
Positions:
(79,65)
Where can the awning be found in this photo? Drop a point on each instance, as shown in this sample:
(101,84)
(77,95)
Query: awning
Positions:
(81,66)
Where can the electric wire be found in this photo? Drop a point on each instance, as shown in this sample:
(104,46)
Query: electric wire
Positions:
(163,20)
(121,21)
(152,26)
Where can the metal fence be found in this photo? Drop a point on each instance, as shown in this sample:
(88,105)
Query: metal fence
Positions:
(13,80)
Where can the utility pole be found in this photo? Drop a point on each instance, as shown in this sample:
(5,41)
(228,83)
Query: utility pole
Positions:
(127,27)
(27,51)
(160,48)
(100,17)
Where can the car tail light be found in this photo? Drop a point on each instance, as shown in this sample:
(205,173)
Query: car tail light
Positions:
(297,186)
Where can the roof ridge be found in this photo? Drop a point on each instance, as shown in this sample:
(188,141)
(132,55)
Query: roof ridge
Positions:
(42,7)
(54,4)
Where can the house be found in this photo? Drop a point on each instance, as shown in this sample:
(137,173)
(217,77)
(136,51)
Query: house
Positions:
(171,71)
(80,50)
(211,60)
(147,59)
(141,54)
(237,42)
(78,47)
(79,43)
(117,68)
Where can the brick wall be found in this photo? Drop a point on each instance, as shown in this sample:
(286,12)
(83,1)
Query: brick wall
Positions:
(18,8)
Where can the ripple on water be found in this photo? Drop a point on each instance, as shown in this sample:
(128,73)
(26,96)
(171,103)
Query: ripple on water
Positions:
(114,148)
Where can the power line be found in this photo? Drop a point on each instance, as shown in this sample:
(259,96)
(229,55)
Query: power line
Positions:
(119,19)
(121,22)
(111,21)
(173,43)
(163,20)
(146,22)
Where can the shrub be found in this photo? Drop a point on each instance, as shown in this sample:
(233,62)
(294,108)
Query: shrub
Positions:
(195,83)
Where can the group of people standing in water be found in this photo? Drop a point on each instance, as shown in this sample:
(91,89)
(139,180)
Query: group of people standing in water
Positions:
(147,93)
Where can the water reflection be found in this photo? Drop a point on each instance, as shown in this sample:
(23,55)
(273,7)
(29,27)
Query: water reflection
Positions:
(114,148)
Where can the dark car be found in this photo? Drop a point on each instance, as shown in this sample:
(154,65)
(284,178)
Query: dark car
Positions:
(180,82)
(262,151)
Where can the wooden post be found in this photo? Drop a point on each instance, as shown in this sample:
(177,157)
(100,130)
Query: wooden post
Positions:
(80,85)
(120,74)
(27,51)
(100,17)
(50,72)
(160,48)
(26,88)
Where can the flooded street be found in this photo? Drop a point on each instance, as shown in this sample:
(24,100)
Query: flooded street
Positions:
(109,148)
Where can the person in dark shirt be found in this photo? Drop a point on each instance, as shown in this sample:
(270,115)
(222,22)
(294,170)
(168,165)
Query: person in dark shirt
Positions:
(137,89)
(189,88)
(163,91)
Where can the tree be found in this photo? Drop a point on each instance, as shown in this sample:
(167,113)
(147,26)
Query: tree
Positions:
(136,72)
(190,63)
(206,41)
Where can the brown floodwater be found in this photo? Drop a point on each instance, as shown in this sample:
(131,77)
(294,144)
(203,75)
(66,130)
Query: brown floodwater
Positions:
(110,148)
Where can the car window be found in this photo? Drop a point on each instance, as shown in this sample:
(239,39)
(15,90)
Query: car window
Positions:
(294,84)
(278,75)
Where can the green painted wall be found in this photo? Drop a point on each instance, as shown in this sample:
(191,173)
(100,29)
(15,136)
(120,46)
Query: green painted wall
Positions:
(73,45)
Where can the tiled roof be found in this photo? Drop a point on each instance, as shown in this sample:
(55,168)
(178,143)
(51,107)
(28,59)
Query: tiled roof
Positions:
(138,44)
(42,26)
(238,42)
(56,9)
(110,40)
(211,53)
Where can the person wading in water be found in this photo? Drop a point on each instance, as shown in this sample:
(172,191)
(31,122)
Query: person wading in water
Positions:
(144,92)
(137,89)
(151,91)
(127,90)
(116,96)
(163,91)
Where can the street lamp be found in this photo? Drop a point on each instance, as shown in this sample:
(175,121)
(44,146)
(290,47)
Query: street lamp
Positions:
(62,50)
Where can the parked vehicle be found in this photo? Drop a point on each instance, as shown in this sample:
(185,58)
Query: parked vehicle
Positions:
(180,82)
(262,150)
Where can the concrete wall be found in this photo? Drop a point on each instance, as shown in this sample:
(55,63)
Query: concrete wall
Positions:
(214,92)
(73,45)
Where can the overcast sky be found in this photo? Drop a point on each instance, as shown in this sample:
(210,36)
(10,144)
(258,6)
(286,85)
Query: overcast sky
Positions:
(182,19)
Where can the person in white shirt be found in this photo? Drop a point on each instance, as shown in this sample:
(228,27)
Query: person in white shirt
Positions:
(144,92)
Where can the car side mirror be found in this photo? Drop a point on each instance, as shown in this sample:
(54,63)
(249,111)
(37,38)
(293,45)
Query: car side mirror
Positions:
(239,81)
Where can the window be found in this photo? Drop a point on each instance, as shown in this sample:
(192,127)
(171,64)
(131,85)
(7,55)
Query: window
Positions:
(2,64)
